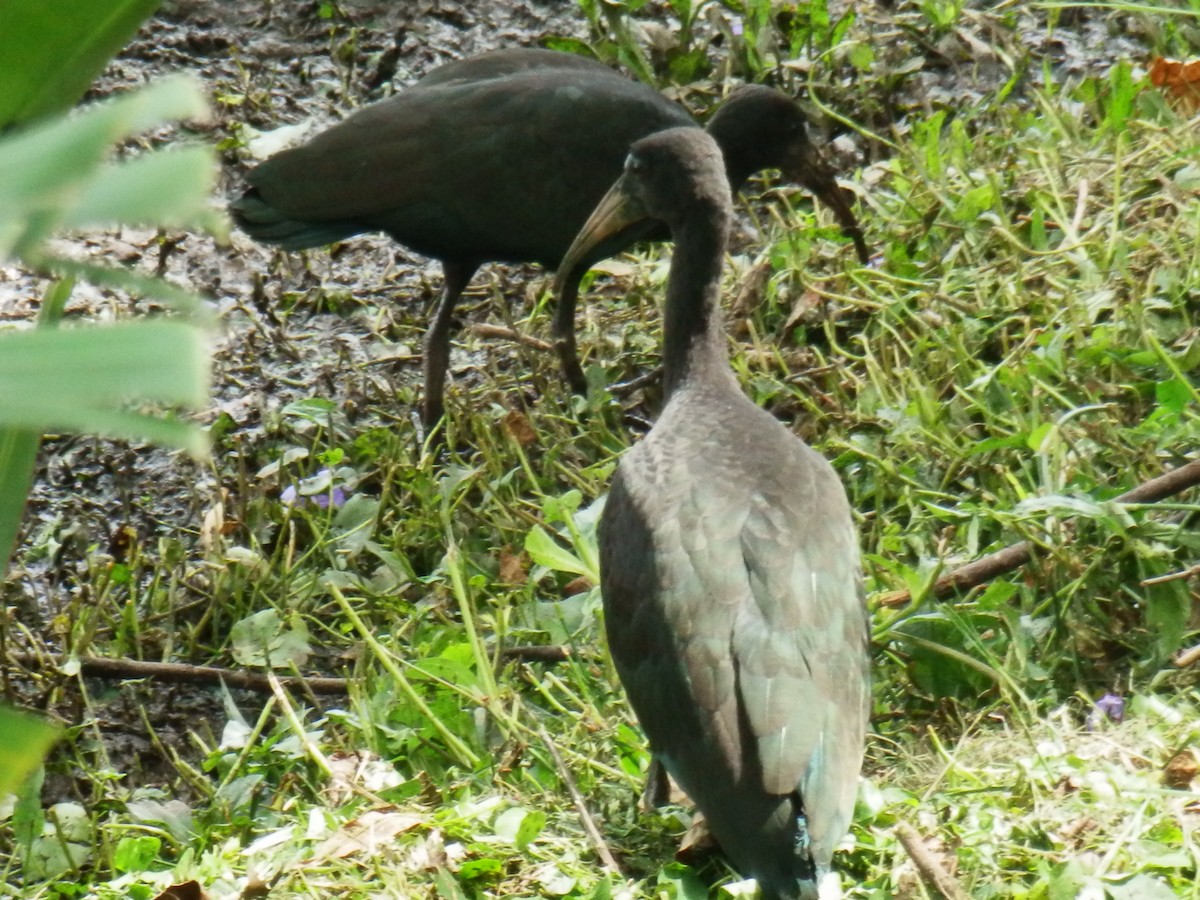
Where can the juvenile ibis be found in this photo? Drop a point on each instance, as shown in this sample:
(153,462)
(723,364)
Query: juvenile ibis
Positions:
(500,158)
(729,564)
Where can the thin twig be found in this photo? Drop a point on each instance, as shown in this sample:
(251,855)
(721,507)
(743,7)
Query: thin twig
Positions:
(179,673)
(932,871)
(1171,576)
(589,824)
(1016,555)
(483,329)
(621,388)
(1189,657)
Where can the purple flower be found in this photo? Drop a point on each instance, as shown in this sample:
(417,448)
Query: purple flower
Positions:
(337,497)
(319,491)
(1110,707)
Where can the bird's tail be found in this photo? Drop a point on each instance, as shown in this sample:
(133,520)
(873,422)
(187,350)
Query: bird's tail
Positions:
(266,224)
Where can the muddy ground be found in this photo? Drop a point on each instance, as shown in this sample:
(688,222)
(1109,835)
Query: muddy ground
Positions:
(271,64)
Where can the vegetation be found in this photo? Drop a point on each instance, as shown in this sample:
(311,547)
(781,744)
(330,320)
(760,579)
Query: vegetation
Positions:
(1025,350)
(58,177)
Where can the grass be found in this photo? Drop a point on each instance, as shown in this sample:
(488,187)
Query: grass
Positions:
(1025,350)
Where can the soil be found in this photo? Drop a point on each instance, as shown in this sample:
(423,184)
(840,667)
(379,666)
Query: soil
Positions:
(268,64)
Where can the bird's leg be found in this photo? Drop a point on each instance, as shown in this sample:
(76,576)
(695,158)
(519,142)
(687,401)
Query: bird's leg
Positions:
(437,340)
(563,331)
(657,791)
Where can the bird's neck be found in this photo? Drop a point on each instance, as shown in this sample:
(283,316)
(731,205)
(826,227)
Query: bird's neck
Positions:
(739,165)
(694,345)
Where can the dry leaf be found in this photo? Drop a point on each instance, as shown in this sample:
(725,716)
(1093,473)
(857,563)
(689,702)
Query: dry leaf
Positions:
(697,842)
(1180,770)
(1181,79)
(512,567)
(362,768)
(518,425)
(212,527)
(751,289)
(576,586)
(187,890)
(802,310)
(367,833)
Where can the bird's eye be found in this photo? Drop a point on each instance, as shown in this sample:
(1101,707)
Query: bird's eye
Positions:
(634,163)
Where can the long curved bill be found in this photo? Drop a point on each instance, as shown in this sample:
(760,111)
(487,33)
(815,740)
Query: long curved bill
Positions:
(617,210)
(807,168)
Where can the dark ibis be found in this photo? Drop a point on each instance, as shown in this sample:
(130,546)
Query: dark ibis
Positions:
(500,158)
(729,564)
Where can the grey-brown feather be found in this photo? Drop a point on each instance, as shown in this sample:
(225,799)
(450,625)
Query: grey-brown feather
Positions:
(734,612)
(729,565)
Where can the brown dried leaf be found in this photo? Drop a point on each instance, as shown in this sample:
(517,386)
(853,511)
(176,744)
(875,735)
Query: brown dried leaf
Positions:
(697,842)
(751,290)
(576,586)
(512,567)
(518,425)
(1180,770)
(1181,80)
(186,890)
(366,834)
(802,310)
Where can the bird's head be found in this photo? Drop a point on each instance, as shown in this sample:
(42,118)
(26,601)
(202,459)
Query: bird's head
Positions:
(673,176)
(761,128)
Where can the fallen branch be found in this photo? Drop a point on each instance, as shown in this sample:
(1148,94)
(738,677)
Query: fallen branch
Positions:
(621,388)
(932,871)
(1014,556)
(180,673)
(185,673)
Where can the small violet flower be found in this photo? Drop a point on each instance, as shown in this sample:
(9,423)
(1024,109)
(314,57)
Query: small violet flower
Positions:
(318,491)
(1110,707)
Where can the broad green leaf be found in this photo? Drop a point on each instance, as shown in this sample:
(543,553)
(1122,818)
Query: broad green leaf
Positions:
(47,168)
(19,446)
(80,379)
(264,639)
(168,187)
(52,50)
(1141,887)
(545,551)
(24,742)
(128,280)
(136,854)
(354,524)
(18,455)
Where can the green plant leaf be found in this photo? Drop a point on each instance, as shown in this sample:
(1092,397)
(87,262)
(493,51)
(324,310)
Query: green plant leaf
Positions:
(79,379)
(19,446)
(545,551)
(24,742)
(52,50)
(48,168)
(128,280)
(168,187)
(263,639)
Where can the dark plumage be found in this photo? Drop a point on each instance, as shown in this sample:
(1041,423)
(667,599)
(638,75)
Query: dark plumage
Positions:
(500,158)
(729,565)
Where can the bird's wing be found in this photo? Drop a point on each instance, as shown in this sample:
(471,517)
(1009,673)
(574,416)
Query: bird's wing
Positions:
(800,645)
(472,166)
